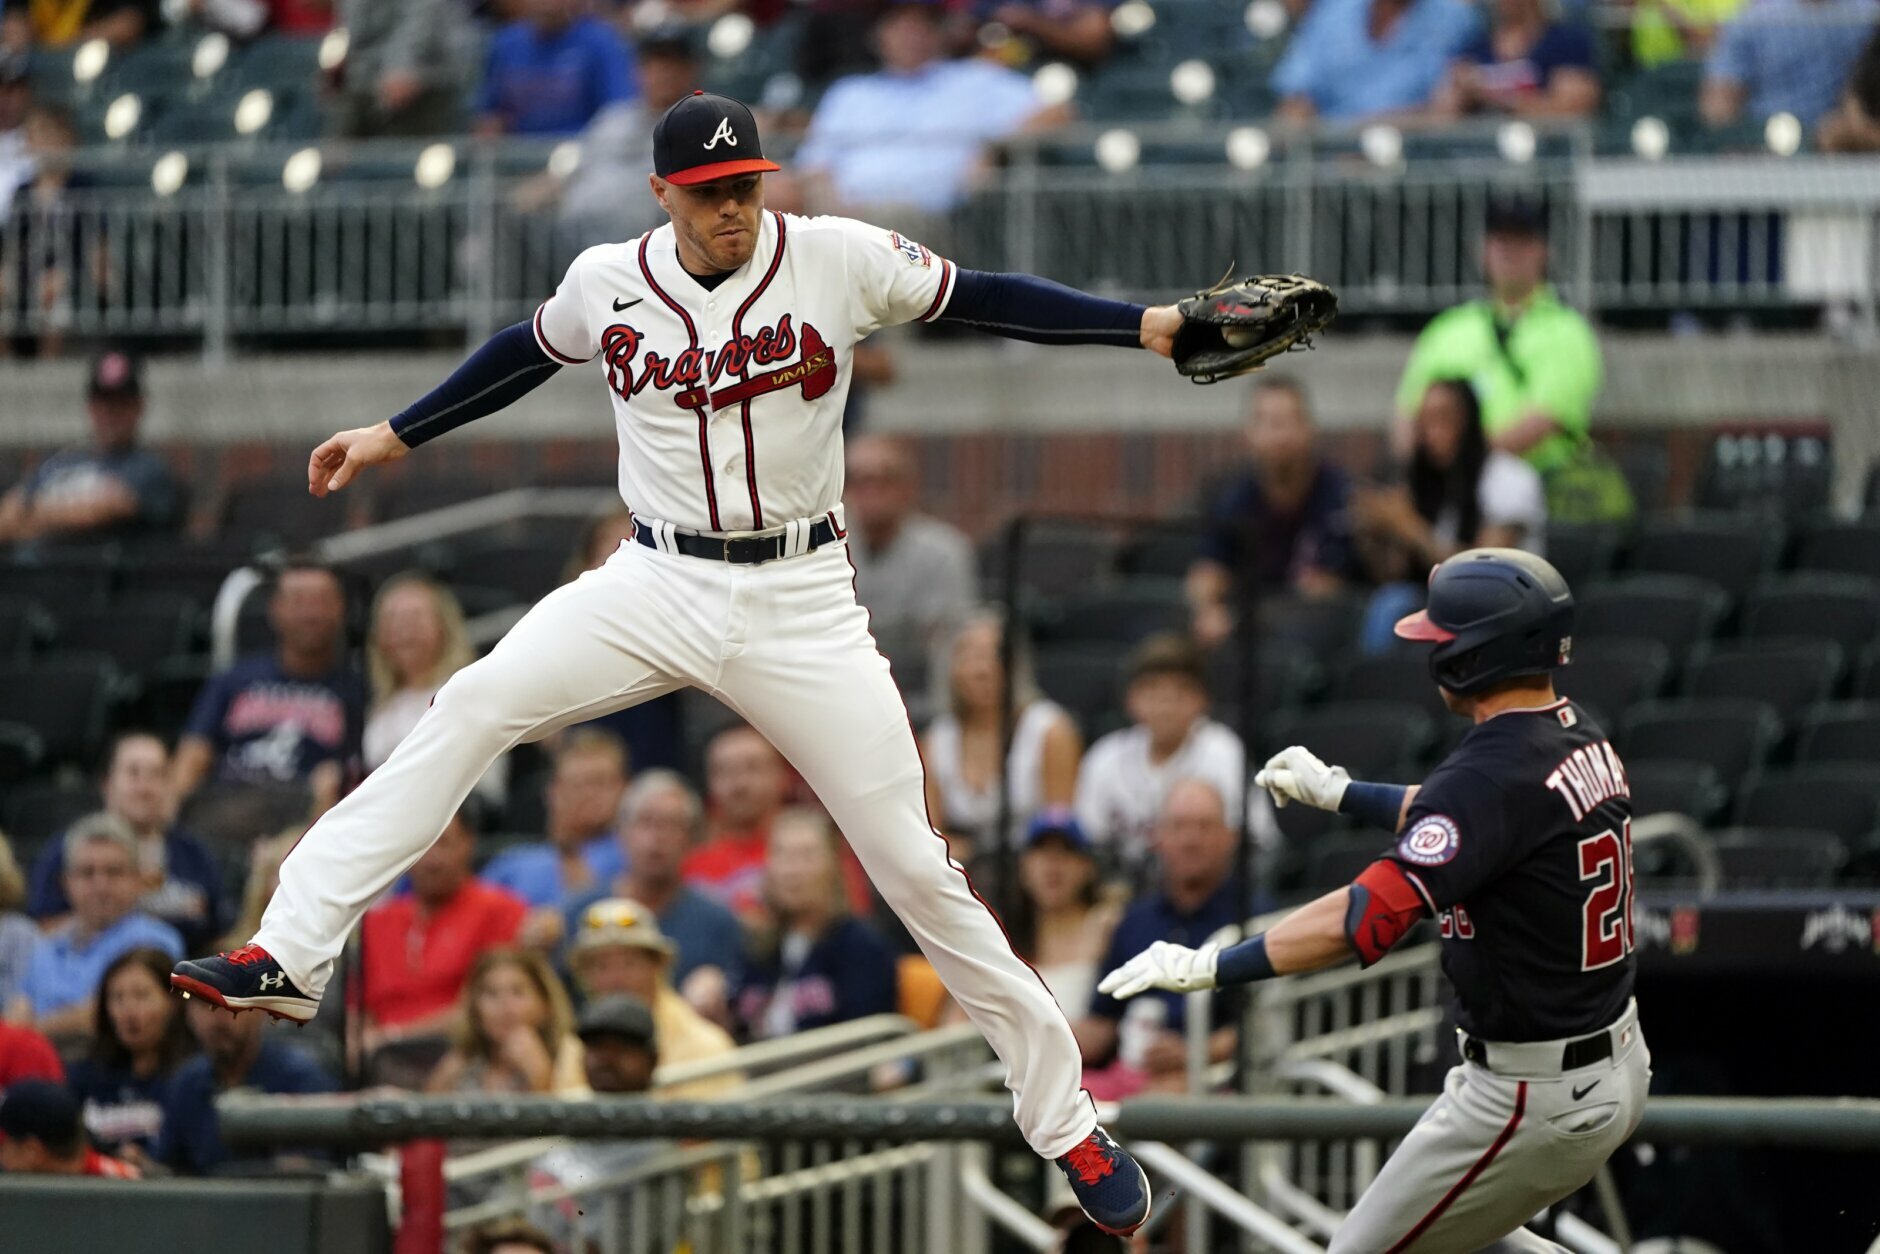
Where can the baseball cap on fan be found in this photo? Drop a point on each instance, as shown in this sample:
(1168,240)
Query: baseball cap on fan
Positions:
(705,137)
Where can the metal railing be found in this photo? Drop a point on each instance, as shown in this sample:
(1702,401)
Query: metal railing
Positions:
(233,257)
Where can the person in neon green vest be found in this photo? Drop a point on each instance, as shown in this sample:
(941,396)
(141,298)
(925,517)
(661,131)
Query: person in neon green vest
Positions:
(1534,363)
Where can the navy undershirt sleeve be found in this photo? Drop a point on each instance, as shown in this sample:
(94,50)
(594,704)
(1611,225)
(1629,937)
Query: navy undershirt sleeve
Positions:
(1025,307)
(508,367)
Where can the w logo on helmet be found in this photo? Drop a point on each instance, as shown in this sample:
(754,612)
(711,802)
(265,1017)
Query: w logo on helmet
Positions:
(273,980)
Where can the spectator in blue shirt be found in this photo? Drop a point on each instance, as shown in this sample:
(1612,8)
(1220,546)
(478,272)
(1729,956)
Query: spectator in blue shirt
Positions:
(820,965)
(291,716)
(1525,66)
(914,133)
(1286,520)
(182,883)
(110,487)
(1356,59)
(1195,843)
(552,71)
(140,1042)
(661,818)
(103,885)
(1785,56)
(237,1053)
(580,854)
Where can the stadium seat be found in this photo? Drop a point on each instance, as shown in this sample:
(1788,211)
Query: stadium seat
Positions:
(1848,548)
(1378,740)
(1867,677)
(1125,614)
(1845,732)
(279,514)
(525,572)
(1688,788)
(1582,552)
(1811,604)
(66,578)
(23,624)
(1763,857)
(1328,625)
(1675,611)
(166,693)
(37,810)
(1083,678)
(1609,674)
(1161,554)
(1732,736)
(1774,476)
(1785,675)
(404,499)
(66,698)
(1730,550)
(1336,860)
(21,750)
(195,573)
(1057,561)
(1400,675)
(1286,676)
(1844,800)
(136,634)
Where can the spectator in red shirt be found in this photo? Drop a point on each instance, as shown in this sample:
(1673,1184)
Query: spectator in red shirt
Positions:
(419,947)
(745,781)
(44,1134)
(26,1055)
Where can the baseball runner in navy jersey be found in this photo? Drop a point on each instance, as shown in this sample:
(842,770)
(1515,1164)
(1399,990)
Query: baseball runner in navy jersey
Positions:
(724,340)
(1519,845)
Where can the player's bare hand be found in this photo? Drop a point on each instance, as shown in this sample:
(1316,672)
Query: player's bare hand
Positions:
(1176,968)
(334,463)
(1296,774)
(1159,325)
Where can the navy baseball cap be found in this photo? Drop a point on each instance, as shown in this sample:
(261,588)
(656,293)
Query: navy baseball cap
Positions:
(1061,823)
(42,1109)
(706,136)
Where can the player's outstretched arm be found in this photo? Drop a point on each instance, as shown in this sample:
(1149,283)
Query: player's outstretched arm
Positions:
(1361,920)
(1026,307)
(1296,774)
(509,366)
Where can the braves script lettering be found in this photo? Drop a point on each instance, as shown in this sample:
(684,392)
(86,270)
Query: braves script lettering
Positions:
(693,372)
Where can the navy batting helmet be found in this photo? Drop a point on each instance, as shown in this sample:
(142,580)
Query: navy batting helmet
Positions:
(1493,614)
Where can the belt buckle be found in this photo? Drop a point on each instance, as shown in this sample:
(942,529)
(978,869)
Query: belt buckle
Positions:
(750,550)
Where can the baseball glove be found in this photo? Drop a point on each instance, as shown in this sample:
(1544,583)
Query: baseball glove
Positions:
(1237,325)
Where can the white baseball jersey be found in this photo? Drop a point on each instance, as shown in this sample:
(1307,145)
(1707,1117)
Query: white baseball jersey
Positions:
(729,401)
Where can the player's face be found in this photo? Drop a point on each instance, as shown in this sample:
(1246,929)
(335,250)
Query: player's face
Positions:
(139,1007)
(658,834)
(137,787)
(584,796)
(508,999)
(101,882)
(409,631)
(716,221)
(1167,705)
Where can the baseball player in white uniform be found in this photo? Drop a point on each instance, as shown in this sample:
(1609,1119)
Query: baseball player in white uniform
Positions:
(725,339)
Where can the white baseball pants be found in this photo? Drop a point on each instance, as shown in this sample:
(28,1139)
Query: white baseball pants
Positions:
(786,646)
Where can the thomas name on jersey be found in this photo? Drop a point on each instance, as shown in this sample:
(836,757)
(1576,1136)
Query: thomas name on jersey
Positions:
(1590,775)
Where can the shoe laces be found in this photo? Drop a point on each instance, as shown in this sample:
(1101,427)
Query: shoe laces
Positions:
(1091,1161)
(248,954)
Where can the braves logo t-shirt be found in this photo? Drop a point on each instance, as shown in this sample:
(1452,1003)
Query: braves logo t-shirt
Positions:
(267,726)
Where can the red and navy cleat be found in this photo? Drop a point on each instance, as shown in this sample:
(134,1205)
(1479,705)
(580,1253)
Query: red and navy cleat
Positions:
(244,979)
(1109,1184)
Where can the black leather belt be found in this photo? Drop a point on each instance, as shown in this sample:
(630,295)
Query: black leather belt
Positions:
(1575,1054)
(740,550)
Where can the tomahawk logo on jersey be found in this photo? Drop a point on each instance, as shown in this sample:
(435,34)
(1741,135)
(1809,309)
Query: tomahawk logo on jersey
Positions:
(1520,844)
(728,402)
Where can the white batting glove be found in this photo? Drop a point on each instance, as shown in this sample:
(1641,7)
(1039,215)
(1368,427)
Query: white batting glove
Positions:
(1176,968)
(1296,774)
